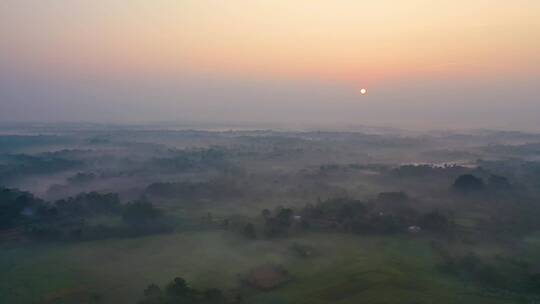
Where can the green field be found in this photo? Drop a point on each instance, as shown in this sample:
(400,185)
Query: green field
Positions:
(345,269)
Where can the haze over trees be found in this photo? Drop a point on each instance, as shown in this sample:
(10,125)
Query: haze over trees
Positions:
(268,217)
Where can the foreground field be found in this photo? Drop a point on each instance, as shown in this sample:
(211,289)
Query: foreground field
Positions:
(344,269)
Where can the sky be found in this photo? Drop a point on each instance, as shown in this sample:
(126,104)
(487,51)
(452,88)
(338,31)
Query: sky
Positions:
(424,63)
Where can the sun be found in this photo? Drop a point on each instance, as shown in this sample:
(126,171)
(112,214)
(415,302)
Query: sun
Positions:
(363,91)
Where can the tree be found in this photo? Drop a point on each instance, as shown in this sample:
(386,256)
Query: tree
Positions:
(92,203)
(266,213)
(178,288)
(284,217)
(249,231)
(179,292)
(153,295)
(152,291)
(18,206)
(468,183)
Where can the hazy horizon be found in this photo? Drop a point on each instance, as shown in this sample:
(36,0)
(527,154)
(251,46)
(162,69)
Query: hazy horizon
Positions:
(425,64)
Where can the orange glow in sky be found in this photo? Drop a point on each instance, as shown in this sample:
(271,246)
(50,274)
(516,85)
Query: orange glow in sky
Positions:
(345,40)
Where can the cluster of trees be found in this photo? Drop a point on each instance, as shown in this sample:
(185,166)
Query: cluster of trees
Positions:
(195,191)
(468,183)
(12,143)
(279,223)
(178,291)
(89,204)
(193,159)
(16,165)
(81,178)
(68,218)
(504,213)
(389,213)
(463,180)
(428,171)
(498,273)
(507,210)
(14,204)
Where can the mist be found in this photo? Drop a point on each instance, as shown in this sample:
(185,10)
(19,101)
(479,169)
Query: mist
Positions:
(416,103)
(269,152)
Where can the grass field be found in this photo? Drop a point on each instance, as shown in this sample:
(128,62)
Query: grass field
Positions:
(345,269)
